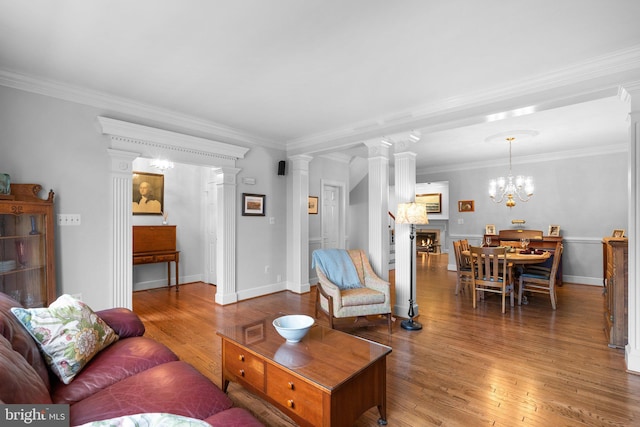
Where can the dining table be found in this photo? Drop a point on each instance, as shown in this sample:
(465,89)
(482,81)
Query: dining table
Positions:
(523,257)
(519,258)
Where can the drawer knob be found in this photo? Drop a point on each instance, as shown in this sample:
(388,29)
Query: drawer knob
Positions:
(290,385)
(241,357)
(290,403)
(242,372)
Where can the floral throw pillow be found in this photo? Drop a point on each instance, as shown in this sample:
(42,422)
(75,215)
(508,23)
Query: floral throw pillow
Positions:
(149,420)
(68,333)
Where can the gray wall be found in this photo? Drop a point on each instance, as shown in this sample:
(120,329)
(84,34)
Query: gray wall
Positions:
(58,144)
(586,196)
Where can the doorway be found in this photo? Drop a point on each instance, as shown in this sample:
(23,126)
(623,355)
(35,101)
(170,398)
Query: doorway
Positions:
(333,215)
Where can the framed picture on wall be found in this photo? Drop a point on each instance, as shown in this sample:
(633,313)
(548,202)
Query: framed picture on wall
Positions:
(432,201)
(466,206)
(148,193)
(313,205)
(253,204)
(490,229)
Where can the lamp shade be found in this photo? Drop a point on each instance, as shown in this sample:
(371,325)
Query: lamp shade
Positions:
(412,213)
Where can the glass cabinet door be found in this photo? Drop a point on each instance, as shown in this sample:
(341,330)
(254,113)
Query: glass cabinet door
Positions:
(23,258)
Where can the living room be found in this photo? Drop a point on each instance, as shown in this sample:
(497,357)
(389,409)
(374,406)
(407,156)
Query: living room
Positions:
(51,136)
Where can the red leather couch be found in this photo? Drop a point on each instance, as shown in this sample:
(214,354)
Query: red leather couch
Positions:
(133,375)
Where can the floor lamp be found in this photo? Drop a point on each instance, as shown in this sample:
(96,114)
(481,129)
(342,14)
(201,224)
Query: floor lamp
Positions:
(413,214)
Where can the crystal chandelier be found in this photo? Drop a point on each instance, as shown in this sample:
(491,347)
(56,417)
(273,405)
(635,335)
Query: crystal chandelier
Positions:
(162,164)
(511,186)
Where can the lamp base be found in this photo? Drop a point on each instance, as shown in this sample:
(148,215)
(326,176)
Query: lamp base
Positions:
(410,325)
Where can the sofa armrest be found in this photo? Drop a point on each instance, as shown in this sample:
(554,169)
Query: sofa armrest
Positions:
(123,321)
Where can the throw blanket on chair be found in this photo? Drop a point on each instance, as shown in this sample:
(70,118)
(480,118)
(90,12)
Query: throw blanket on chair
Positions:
(336,264)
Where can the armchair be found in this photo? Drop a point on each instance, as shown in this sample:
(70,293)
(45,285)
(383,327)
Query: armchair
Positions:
(372,296)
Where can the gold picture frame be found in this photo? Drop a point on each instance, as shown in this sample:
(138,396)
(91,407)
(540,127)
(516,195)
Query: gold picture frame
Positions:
(618,232)
(466,206)
(313,205)
(433,202)
(148,193)
(490,229)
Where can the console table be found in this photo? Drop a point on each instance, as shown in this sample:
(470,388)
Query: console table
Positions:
(156,243)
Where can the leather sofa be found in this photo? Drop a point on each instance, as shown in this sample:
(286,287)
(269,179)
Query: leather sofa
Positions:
(133,375)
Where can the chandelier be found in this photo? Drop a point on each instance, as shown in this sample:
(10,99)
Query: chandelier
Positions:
(511,186)
(161,164)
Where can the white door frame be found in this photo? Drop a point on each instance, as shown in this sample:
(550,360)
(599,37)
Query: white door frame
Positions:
(342,203)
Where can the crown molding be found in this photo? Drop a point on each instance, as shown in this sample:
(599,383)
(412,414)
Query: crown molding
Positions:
(149,141)
(591,79)
(537,158)
(121,105)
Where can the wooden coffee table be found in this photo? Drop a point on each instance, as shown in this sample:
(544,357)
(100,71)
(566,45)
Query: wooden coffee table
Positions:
(329,378)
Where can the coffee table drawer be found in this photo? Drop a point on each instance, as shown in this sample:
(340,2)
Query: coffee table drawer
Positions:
(244,366)
(295,394)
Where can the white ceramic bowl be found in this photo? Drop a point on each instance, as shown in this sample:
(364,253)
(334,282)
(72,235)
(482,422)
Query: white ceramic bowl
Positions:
(293,327)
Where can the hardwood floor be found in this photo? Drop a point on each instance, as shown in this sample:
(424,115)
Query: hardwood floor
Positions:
(531,366)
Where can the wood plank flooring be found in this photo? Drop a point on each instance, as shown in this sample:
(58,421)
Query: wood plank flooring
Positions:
(530,367)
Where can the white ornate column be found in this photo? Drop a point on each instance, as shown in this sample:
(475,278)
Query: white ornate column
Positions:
(130,140)
(405,189)
(631,92)
(121,268)
(298,249)
(225,183)
(379,206)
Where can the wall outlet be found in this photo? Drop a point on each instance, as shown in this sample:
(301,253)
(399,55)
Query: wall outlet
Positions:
(69,219)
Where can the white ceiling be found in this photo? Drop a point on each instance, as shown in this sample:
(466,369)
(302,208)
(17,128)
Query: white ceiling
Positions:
(315,75)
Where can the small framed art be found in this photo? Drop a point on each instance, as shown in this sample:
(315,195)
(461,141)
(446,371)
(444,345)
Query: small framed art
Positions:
(554,230)
(490,229)
(466,206)
(313,205)
(253,204)
(618,232)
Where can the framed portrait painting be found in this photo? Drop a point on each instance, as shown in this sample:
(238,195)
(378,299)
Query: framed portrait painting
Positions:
(148,193)
(253,204)
(554,230)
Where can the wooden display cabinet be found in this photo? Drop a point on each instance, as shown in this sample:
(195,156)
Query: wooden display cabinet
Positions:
(615,258)
(27,261)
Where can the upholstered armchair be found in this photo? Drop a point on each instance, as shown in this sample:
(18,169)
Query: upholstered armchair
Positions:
(370,297)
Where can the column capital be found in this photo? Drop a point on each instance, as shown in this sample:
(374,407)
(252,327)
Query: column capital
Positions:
(301,161)
(378,147)
(404,141)
(226,175)
(405,155)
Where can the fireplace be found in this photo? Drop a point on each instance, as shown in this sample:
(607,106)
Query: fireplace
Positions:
(428,240)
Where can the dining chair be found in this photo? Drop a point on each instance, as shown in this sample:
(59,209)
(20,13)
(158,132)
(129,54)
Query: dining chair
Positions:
(542,280)
(463,268)
(491,273)
(464,245)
